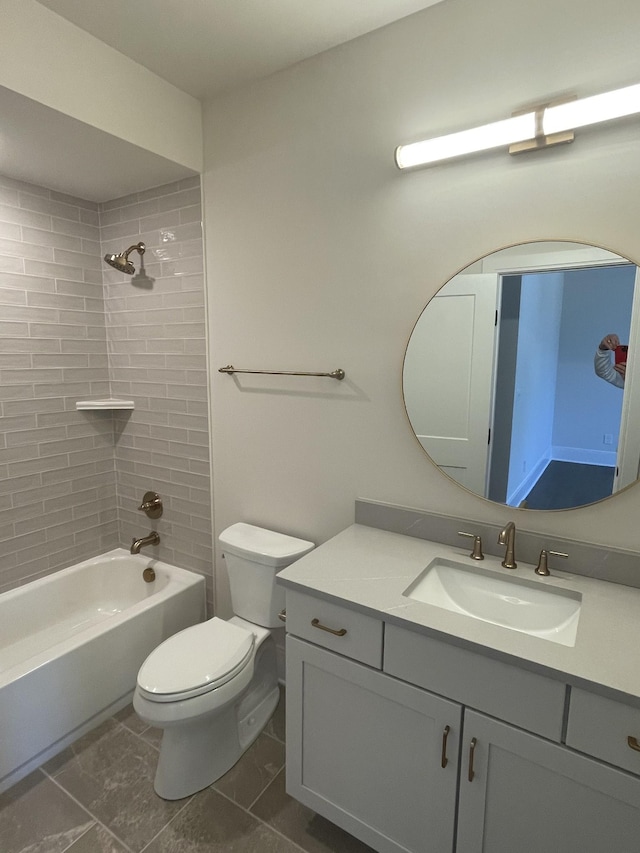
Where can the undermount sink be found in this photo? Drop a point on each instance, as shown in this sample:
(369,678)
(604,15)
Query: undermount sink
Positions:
(513,602)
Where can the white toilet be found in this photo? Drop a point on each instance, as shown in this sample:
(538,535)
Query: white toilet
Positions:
(214,686)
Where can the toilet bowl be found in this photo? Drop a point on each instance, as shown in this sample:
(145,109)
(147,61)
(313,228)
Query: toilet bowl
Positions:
(213,687)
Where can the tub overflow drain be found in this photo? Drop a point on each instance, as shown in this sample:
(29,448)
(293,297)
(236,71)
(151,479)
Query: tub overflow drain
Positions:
(149,575)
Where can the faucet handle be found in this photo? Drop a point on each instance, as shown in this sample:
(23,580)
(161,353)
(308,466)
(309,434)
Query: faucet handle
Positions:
(476,554)
(542,568)
(151,504)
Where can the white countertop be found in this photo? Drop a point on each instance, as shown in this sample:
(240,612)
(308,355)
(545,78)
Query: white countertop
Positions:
(369,569)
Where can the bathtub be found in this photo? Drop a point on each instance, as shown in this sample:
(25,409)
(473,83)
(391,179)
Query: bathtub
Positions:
(71,645)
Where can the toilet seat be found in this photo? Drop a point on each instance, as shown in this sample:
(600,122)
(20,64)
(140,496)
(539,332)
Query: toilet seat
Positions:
(196,661)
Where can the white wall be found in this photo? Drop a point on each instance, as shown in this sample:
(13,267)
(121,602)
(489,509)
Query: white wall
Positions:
(535,382)
(321,254)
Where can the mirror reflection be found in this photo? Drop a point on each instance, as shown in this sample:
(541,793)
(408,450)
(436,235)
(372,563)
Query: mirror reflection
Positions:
(516,379)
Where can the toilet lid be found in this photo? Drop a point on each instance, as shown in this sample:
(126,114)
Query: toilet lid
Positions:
(197,659)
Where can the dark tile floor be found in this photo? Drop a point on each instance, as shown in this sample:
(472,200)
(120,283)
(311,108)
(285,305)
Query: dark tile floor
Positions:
(97,797)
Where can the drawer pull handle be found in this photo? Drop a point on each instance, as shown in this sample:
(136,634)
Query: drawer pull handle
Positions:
(445,734)
(317,624)
(282,616)
(472,750)
(633,743)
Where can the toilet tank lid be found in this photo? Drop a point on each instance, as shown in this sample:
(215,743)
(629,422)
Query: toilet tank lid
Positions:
(272,549)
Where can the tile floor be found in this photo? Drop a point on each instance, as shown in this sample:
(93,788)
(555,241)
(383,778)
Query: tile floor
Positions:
(97,797)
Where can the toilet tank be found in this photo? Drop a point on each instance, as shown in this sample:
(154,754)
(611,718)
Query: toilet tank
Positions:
(254,556)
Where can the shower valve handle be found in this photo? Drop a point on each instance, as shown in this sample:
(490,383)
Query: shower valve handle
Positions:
(151,504)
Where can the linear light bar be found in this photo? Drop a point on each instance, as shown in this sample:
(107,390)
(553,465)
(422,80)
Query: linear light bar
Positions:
(541,127)
(495,135)
(597,108)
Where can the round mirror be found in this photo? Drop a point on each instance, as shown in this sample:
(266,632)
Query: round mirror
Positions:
(513,383)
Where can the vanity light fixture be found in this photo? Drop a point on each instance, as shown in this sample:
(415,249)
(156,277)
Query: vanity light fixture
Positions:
(495,135)
(593,110)
(538,127)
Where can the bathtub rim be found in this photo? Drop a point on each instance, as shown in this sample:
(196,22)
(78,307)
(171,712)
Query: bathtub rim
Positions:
(187,587)
(178,579)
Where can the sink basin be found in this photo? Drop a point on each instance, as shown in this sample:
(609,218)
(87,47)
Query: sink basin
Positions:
(523,605)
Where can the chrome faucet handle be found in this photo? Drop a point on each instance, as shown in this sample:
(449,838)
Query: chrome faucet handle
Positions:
(476,554)
(542,567)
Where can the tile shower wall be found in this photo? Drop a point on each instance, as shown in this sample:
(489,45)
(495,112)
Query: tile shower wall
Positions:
(156,341)
(72,328)
(57,473)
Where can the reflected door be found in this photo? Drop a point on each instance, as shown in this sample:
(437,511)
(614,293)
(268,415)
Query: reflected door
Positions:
(448,378)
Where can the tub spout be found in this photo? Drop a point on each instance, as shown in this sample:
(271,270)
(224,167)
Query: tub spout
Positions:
(151,539)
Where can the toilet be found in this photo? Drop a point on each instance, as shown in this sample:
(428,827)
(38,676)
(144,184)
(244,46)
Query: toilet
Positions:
(213,687)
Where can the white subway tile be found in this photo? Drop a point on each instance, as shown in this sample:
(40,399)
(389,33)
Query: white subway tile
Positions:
(61,309)
(48,206)
(24,217)
(11,264)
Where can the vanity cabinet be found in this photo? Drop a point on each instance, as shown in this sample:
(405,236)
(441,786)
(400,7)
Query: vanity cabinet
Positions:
(616,741)
(431,748)
(373,755)
(527,794)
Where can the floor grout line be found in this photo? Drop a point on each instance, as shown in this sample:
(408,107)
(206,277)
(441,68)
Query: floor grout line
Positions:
(169,822)
(97,825)
(88,829)
(92,816)
(268,785)
(259,819)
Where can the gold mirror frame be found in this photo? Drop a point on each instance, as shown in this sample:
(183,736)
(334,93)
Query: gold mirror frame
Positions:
(566,260)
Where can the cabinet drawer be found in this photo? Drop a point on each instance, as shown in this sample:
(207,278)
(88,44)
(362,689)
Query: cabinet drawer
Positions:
(602,728)
(524,698)
(319,621)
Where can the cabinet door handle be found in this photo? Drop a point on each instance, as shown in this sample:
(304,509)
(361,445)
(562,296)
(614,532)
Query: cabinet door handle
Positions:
(633,743)
(445,734)
(338,633)
(472,750)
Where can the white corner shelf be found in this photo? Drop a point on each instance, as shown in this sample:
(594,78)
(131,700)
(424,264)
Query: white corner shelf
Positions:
(104,404)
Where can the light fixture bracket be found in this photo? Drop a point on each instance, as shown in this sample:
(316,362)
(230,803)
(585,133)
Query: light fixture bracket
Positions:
(540,140)
(534,128)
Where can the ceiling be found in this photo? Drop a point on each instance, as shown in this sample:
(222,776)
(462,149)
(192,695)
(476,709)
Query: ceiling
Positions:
(205,47)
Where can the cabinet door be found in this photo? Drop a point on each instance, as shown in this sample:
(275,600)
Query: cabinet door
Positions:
(531,795)
(366,751)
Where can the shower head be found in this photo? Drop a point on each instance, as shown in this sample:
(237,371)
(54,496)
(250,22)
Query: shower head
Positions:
(121,262)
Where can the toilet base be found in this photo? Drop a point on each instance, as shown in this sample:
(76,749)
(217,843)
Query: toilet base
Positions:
(196,753)
(196,756)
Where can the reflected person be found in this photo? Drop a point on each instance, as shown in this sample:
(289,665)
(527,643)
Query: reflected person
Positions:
(603,365)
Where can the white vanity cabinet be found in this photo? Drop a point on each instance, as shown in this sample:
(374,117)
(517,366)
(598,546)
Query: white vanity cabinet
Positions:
(375,756)
(527,794)
(367,752)
(519,791)
(422,746)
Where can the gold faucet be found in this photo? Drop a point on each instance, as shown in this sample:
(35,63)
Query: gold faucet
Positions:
(507,536)
(152,539)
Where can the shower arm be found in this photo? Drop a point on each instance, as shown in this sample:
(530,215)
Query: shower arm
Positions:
(139,247)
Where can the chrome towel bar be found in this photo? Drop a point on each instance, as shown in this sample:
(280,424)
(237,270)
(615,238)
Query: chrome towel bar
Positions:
(230,369)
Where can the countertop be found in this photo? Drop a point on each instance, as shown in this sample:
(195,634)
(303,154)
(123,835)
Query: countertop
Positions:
(368,569)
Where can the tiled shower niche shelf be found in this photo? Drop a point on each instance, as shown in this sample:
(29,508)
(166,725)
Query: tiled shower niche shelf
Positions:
(104,405)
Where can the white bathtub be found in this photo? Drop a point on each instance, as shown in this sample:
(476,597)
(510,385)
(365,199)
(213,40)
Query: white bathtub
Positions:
(71,645)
